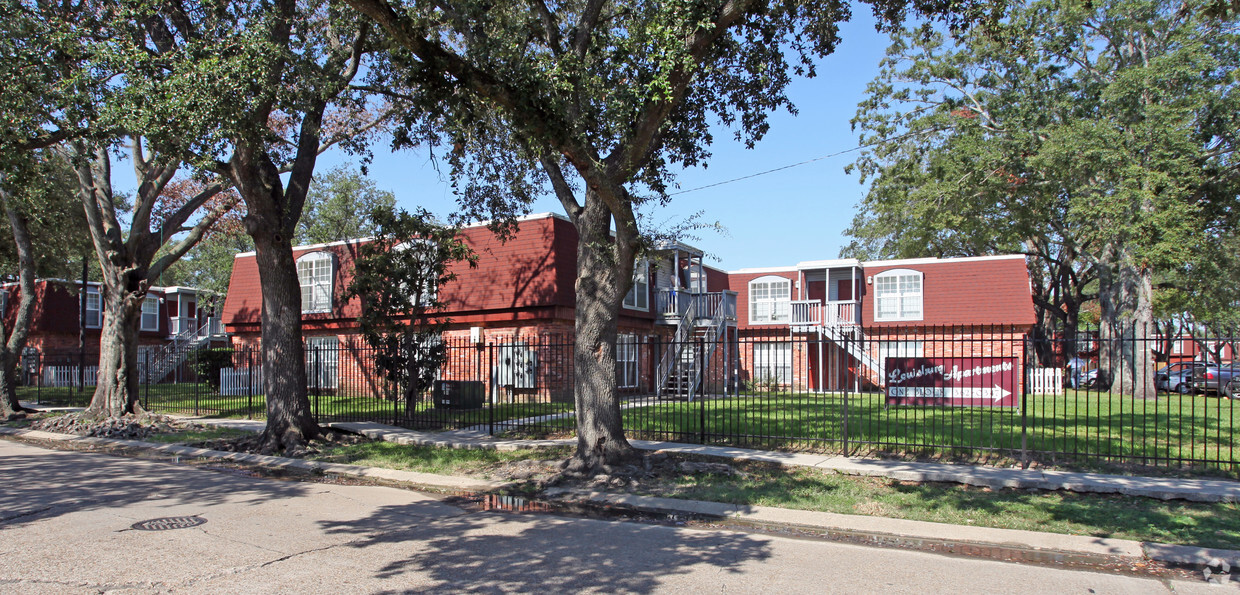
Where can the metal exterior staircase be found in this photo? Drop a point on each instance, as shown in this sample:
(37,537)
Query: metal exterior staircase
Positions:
(837,321)
(853,341)
(168,357)
(682,367)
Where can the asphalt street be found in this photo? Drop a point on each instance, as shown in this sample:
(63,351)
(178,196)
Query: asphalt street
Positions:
(67,526)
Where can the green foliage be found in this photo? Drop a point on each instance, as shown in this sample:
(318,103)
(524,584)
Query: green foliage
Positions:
(43,190)
(1095,138)
(339,205)
(399,277)
(209,362)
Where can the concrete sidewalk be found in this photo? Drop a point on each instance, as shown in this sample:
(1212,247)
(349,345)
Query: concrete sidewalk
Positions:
(876,530)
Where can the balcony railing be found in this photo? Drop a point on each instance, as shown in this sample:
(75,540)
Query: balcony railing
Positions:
(182,324)
(674,303)
(831,313)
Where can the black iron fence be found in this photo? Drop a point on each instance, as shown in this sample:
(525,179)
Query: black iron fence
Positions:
(982,394)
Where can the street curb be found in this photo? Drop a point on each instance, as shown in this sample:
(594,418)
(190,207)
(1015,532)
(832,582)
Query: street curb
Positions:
(430,480)
(876,529)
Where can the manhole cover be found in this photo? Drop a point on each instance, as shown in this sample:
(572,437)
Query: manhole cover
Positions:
(169,523)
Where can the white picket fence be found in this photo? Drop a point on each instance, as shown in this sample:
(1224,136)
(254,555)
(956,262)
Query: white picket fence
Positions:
(237,381)
(58,376)
(1046,381)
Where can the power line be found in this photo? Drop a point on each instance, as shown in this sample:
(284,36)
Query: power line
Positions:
(807,161)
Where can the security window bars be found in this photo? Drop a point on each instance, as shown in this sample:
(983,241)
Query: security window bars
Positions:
(627,369)
(772,362)
(322,362)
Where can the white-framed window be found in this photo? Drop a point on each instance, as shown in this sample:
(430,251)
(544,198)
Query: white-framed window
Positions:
(94,308)
(322,362)
(638,297)
(628,368)
(769,300)
(150,313)
(898,295)
(314,273)
(888,349)
(772,362)
(1177,347)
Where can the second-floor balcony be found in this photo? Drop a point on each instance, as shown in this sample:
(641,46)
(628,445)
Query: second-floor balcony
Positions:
(209,327)
(846,313)
(672,304)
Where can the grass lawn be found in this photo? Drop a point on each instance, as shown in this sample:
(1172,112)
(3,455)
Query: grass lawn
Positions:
(766,484)
(428,459)
(1079,429)
(1076,425)
(199,399)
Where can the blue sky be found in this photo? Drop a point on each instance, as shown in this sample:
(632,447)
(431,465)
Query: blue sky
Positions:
(777,219)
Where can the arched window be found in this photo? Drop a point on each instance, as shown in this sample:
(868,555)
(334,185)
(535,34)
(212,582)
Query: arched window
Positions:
(897,295)
(314,273)
(769,300)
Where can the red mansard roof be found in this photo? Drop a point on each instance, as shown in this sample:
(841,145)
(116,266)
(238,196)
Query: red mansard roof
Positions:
(531,276)
(986,290)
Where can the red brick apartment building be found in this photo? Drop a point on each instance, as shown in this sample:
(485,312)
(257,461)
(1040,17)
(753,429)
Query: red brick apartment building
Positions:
(808,324)
(170,316)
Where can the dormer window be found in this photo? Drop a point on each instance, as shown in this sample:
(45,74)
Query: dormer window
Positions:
(898,295)
(314,273)
(769,300)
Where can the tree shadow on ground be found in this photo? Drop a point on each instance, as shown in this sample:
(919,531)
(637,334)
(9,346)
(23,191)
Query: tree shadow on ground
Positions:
(42,483)
(508,552)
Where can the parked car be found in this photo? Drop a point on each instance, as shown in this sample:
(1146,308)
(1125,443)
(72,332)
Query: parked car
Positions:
(1176,377)
(1217,378)
(1079,374)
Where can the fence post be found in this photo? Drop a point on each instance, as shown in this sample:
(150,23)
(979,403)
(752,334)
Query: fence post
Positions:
(847,350)
(197,382)
(1024,393)
(700,381)
(146,404)
(490,389)
(317,381)
(249,384)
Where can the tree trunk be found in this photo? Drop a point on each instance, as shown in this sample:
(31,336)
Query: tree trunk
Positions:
(600,433)
(290,423)
(1126,302)
(117,384)
(15,338)
(1133,373)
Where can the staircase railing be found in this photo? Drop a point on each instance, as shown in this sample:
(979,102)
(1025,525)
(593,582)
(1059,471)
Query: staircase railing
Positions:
(856,347)
(715,331)
(168,357)
(684,329)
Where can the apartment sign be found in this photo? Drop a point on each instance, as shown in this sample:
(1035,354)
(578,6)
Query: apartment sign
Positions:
(953,381)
